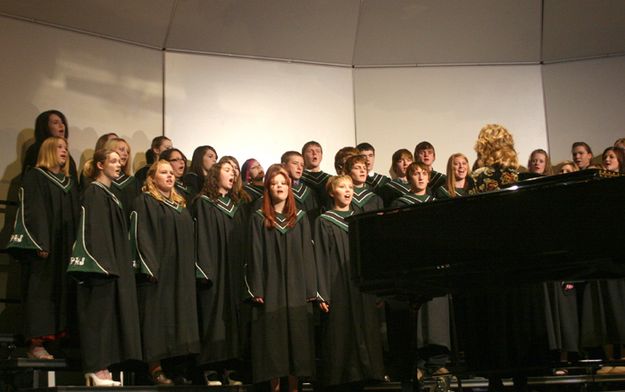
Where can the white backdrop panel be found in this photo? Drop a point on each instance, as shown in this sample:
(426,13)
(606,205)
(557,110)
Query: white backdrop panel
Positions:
(100,85)
(584,101)
(447,106)
(260,109)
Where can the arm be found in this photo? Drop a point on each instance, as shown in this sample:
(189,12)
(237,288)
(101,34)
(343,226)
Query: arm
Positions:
(145,237)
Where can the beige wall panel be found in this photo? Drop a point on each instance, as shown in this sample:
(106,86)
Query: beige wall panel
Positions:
(318,31)
(582,28)
(584,102)
(448,31)
(100,85)
(447,106)
(254,108)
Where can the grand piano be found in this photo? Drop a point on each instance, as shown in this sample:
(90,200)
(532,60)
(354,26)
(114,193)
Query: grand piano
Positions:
(566,227)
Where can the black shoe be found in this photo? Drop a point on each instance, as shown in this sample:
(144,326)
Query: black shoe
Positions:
(212,378)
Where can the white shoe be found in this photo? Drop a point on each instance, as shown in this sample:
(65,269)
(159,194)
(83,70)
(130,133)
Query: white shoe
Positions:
(94,381)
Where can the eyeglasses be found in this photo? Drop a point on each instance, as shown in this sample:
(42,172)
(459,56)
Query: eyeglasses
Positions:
(176,160)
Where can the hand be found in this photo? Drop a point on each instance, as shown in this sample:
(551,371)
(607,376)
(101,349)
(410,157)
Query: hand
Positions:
(258,300)
(43,254)
(324,306)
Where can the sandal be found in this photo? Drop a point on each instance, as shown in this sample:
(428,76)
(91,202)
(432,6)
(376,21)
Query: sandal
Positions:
(39,352)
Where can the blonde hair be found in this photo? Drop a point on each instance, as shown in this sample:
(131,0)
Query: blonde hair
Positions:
(495,147)
(47,158)
(113,144)
(334,181)
(151,188)
(450,184)
(567,163)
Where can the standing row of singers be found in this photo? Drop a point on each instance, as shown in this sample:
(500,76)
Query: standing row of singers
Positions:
(210,262)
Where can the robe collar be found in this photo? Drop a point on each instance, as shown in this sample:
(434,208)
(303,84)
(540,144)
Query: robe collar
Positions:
(411,198)
(122,181)
(224,204)
(301,192)
(281,222)
(64,182)
(399,186)
(315,178)
(338,218)
(362,196)
(108,192)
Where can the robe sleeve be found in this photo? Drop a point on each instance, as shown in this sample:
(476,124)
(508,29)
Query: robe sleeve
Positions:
(323,261)
(378,203)
(145,235)
(32,229)
(308,254)
(93,252)
(206,259)
(254,269)
(396,204)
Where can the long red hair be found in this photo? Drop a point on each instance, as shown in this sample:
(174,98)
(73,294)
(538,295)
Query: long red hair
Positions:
(290,209)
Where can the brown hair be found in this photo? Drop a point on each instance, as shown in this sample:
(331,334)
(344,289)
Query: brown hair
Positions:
(290,209)
(237,187)
(341,156)
(352,161)
(397,156)
(90,170)
(211,184)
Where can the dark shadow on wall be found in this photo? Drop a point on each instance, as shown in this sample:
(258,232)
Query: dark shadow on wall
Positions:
(10,287)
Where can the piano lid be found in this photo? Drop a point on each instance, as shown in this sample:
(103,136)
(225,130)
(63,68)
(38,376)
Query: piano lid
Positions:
(560,227)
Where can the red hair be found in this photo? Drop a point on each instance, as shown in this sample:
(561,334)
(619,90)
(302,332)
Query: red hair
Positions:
(290,209)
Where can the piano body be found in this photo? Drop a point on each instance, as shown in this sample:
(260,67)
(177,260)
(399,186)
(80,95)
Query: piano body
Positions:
(556,228)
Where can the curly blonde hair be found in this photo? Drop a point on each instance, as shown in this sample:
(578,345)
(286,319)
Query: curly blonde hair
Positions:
(151,188)
(495,147)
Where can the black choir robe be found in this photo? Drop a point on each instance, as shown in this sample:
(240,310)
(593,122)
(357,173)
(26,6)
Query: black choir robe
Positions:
(351,343)
(125,189)
(317,182)
(163,235)
(254,191)
(392,190)
(194,184)
(364,200)
(281,270)
(184,191)
(46,221)
(108,315)
(602,313)
(436,180)
(140,176)
(376,181)
(220,234)
(443,193)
